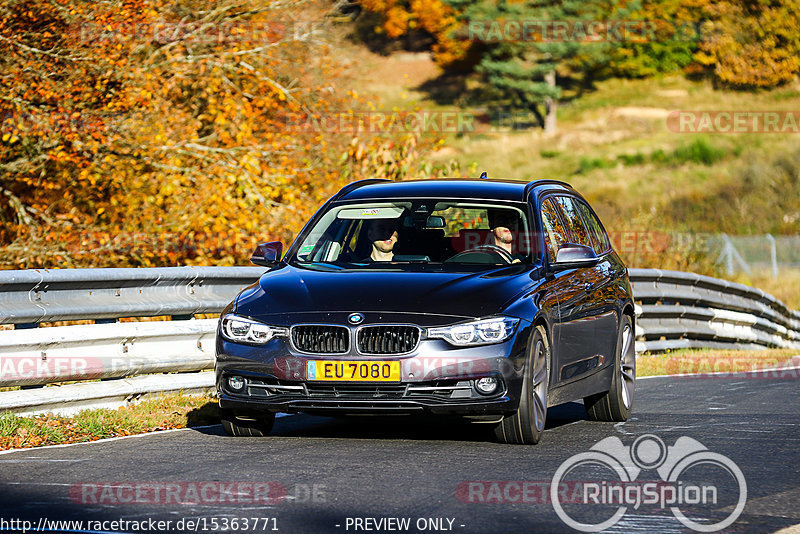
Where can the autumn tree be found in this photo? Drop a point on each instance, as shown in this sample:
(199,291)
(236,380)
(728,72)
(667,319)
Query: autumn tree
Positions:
(673,37)
(520,48)
(164,132)
(438,18)
(752,43)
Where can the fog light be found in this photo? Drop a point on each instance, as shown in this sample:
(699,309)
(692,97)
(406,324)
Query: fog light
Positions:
(486,385)
(236,383)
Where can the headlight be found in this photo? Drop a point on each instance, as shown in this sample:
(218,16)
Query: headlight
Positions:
(243,330)
(477,332)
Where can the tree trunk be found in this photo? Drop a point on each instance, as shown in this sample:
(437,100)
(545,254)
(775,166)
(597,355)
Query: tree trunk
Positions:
(550,105)
(538,114)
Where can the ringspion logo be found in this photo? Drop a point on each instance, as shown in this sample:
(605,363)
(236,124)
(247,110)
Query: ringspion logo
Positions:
(705,491)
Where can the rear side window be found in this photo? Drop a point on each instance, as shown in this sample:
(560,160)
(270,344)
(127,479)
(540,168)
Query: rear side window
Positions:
(596,232)
(578,232)
(554,232)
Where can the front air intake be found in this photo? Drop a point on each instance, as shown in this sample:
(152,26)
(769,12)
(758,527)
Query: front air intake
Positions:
(321,339)
(390,339)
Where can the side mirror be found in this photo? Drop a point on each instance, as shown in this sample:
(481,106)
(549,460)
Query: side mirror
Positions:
(267,254)
(573,256)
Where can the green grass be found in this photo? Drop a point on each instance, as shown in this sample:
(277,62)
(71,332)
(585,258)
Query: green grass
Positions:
(11,425)
(638,158)
(698,151)
(587,165)
(703,361)
(152,414)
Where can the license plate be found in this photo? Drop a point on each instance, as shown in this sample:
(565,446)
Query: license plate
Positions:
(348,371)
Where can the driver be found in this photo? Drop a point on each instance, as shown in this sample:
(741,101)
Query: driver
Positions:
(382,233)
(503,225)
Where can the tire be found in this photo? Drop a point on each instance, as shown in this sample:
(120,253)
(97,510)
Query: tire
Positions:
(525,426)
(616,404)
(247,425)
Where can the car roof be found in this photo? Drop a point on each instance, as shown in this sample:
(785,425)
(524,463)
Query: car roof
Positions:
(509,190)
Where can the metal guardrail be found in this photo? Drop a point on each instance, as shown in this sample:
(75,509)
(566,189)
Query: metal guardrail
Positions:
(107,350)
(674,310)
(73,398)
(41,295)
(68,353)
(686,310)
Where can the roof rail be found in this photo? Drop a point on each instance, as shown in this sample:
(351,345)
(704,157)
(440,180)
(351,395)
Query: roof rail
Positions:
(534,183)
(352,186)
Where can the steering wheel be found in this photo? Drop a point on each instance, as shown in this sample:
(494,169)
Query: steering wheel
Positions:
(488,249)
(494,249)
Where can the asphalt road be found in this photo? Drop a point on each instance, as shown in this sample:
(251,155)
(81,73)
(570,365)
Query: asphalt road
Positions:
(346,475)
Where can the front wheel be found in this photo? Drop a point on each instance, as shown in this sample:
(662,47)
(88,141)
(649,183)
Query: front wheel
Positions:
(525,426)
(617,403)
(250,425)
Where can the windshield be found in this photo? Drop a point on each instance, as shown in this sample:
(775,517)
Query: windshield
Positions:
(379,234)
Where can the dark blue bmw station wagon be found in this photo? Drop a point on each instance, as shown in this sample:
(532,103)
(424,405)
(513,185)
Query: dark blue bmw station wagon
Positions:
(490,300)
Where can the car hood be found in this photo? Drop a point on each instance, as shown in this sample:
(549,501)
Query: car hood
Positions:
(289,290)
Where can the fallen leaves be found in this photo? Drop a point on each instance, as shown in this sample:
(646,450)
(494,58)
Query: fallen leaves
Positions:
(151,415)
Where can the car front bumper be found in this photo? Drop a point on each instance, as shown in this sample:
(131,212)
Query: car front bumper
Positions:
(436,378)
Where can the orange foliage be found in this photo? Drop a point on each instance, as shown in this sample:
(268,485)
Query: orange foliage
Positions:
(434,16)
(158,132)
(747,43)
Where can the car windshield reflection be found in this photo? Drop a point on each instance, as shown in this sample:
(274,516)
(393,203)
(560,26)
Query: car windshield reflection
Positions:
(432,233)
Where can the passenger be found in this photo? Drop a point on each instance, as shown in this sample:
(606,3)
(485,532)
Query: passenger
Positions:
(382,233)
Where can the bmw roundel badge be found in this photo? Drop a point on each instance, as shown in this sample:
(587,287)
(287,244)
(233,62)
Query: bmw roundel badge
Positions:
(355,318)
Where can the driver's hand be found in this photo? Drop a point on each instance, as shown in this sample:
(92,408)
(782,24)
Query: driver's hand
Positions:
(517,261)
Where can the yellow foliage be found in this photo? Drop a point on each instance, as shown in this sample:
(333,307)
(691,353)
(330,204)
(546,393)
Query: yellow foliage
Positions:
(755,44)
(187,155)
